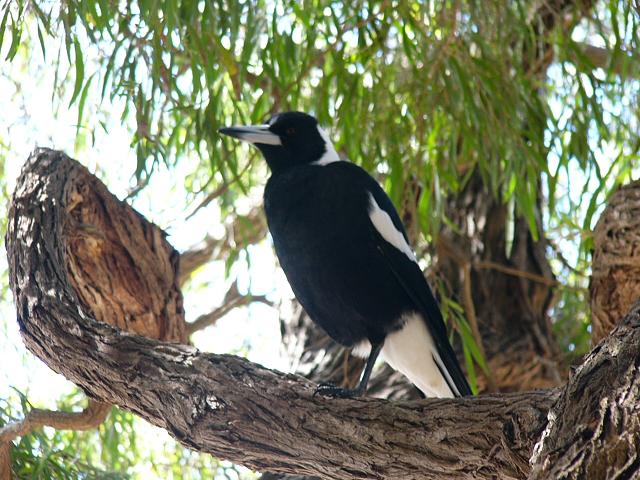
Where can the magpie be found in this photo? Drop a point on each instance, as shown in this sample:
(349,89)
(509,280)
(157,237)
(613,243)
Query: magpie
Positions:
(345,252)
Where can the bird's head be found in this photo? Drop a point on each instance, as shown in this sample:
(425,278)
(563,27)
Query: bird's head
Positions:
(287,139)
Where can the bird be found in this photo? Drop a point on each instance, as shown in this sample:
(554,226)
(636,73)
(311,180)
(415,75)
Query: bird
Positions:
(346,255)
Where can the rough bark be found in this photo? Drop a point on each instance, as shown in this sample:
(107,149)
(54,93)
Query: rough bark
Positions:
(614,285)
(594,429)
(5,461)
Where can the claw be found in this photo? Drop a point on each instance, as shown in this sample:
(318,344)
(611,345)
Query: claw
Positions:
(328,390)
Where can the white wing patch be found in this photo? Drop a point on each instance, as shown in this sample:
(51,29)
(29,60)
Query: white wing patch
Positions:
(330,155)
(411,351)
(383,223)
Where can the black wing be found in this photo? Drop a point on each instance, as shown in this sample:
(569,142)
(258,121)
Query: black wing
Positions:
(411,278)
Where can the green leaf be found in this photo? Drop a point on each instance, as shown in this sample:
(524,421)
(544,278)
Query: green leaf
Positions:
(83,98)
(79,62)
(41,40)
(16,34)
(3,26)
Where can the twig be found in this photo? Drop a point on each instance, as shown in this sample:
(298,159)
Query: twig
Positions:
(516,273)
(133,192)
(209,198)
(195,257)
(565,263)
(446,248)
(90,417)
(232,300)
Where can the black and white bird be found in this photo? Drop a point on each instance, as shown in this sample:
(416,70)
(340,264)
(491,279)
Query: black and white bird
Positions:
(345,253)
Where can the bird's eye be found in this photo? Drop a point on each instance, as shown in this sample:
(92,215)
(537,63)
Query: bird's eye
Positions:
(290,131)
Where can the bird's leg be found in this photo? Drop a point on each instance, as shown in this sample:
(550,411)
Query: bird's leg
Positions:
(329,390)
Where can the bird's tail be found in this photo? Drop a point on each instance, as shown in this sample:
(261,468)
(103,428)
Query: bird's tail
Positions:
(412,351)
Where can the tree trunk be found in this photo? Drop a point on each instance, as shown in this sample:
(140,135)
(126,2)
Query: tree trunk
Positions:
(266,420)
(614,285)
(514,329)
(594,429)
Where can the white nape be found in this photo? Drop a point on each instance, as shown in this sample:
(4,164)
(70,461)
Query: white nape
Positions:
(330,155)
(411,351)
(383,223)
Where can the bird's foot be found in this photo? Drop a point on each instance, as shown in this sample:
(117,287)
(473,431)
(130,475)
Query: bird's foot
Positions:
(328,390)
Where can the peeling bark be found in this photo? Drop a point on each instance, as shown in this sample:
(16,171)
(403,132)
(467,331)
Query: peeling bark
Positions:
(116,262)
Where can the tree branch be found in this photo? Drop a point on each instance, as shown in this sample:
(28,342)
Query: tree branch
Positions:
(232,408)
(614,286)
(623,63)
(91,417)
(593,430)
(232,299)
(267,420)
(5,461)
(195,257)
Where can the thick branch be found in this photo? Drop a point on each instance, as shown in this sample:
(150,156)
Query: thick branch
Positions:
(614,286)
(235,409)
(5,461)
(594,429)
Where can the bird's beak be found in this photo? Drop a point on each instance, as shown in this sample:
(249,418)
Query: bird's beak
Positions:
(252,134)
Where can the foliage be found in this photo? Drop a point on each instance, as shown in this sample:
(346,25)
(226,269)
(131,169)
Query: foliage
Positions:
(60,454)
(436,78)
(111,452)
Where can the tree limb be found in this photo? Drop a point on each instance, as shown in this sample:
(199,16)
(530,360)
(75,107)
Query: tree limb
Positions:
(5,461)
(91,417)
(232,299)
(209,319)
(240,411)
(615,269)
(622,64)
(594,429)
(232,408)
(195,257)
